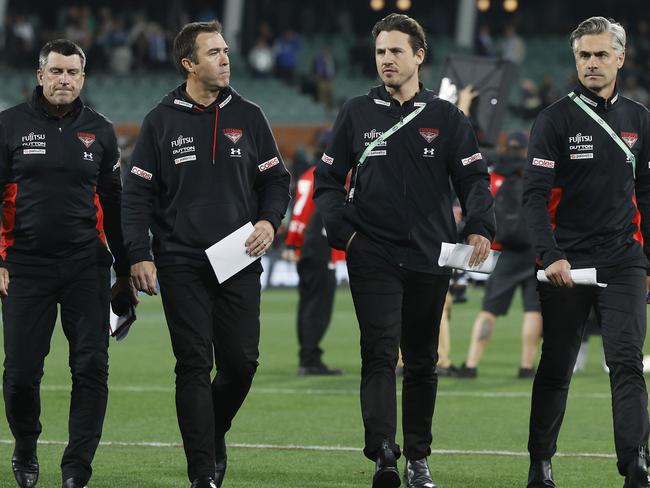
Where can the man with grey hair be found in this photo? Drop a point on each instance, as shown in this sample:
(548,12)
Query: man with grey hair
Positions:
(587,204)
(60,176)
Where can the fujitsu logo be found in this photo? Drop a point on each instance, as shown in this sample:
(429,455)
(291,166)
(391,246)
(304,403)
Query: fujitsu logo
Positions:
(182,140)
(579,138)
(373,134)
(33,137)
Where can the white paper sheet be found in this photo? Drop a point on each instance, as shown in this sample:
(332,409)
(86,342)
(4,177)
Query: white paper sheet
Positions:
(585,276)
(457,256)
(228,256)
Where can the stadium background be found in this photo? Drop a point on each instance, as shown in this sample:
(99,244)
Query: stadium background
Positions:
(307,431)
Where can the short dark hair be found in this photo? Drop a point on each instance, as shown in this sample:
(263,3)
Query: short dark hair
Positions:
(60,46)
(405,24)
(185,42)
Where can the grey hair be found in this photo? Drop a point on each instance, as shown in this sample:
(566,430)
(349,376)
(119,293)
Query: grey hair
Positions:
(60,46)
(600,25)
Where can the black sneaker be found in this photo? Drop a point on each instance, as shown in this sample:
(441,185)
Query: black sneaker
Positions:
(526,373)
(450,370)
(319,370)
(465,372)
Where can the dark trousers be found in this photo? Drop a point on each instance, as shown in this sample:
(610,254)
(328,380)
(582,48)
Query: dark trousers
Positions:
(316,289)
(209,320)
(621,312)
(82,288)
(396,307)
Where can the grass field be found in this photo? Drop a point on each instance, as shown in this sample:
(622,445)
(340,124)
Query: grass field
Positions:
(480,426)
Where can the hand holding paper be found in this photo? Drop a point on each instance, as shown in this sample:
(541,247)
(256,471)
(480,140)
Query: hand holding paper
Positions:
(585,276)
(229,256)
(458,256)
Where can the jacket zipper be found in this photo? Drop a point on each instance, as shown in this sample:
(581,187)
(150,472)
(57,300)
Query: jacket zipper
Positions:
(214,135)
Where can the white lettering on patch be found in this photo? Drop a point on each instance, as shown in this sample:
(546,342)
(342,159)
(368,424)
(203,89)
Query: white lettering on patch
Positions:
(544,163)
(471,159)
(377,153)
(141,173)
(185,159)
(269,164)
(582,156)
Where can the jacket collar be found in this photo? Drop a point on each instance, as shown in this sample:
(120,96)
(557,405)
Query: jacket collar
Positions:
(37,103)
(181,100)
(380,96)
(594,101)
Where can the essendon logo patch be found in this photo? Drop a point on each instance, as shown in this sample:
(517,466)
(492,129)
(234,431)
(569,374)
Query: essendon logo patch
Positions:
(428,134)
(233,134)
(141,173)
(269,164)
(86,138)
(630,138)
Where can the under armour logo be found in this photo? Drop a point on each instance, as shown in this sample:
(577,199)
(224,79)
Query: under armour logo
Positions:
(429,153)
(235,153)
(88,156)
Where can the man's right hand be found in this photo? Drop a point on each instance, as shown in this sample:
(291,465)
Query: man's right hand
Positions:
(144,277)
(4,282)
(558,273)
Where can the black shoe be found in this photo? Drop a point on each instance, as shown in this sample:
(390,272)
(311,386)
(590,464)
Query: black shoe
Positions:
(417,474)
(637,471)
(465,372)
(220,460)
(25,468)
(319,370)
(526,373)
(540,474)
(204,482)
(450,370)
(74,483)
(386,474)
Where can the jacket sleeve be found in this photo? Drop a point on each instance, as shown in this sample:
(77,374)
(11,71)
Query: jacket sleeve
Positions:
(642,185)
(303,208)
(470,178)
(329,181)
(139,194)
(272,180)
(4,168)
(539,176)
(109,190)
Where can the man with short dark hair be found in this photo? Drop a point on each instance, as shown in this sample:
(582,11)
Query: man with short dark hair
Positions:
(205,164)
(404,146)
(59,171)
(587,204)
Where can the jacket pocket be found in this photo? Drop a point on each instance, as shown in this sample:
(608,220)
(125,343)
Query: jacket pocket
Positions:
(204,224)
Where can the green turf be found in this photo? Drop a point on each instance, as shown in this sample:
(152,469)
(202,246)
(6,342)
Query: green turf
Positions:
(286,410)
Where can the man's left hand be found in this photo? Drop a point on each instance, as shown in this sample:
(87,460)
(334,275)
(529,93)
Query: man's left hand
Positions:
(261,239)
(481,249)
(124,284)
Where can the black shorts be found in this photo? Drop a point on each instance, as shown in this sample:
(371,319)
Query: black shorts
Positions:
(514,269)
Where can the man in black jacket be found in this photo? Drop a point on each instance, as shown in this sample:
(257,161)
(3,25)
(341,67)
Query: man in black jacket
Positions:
(59,171)
(398,212)
(587,183)
(204,165)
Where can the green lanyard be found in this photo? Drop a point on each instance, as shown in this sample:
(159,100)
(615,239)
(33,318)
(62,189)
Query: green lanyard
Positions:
(630,157)
(389,133)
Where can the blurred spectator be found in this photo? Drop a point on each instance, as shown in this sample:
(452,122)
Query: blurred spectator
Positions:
(531,101)
(286,56)
(513,47)
(548,92)
(483,43)
(260,59)
(324,74)
(156,46)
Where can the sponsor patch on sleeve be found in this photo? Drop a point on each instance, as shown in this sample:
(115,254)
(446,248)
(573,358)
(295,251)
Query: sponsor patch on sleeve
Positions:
(327,159)
(269,164)
(141,173)
(544,163)
(117,164)
(471,159)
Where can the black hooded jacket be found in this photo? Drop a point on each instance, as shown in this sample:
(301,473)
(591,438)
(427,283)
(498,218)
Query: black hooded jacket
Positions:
(199,173)
(61,185)
(403,196)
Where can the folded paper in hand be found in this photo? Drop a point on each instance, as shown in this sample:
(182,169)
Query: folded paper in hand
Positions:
(228,256)
(120,325)
(585,276)
(457,256)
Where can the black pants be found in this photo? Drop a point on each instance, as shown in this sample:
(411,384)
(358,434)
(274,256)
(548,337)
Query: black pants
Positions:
(209,320)
(316,289)
(621,312)
(396,307)
(82,288)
